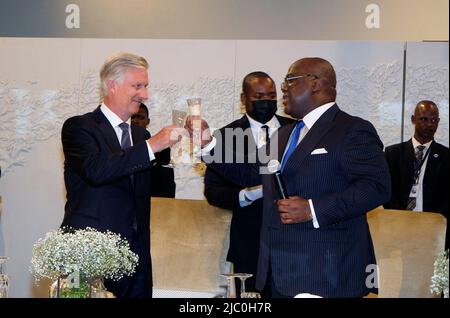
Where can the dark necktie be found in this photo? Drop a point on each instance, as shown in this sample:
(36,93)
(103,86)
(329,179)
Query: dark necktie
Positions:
(265,130)
(125,141)
(293,143)
(411,203)
(419,157)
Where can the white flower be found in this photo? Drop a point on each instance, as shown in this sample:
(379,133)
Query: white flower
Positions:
(87,251)
(439,281)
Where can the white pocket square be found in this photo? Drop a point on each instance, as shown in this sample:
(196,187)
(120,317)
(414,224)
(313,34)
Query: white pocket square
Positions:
(319,151)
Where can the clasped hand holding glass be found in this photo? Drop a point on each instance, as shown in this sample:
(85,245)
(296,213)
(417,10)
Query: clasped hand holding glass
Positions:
(194,125)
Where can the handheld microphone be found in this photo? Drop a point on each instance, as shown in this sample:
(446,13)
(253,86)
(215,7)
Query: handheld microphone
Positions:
(274,167)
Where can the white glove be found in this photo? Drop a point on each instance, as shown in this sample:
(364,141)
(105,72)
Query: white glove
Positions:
(248,195)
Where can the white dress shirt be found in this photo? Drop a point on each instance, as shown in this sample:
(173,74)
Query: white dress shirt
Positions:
(257,133)
(115,121)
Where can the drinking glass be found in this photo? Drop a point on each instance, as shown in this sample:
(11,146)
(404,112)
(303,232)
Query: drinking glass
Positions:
(194,104)
(244,293)
(3,279)
(243,277)
(230,279)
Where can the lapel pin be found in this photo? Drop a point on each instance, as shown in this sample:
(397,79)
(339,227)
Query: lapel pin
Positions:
(436,155)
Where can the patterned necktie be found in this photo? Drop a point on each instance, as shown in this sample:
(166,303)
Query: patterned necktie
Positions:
(293,143)
(411,203)
(419,157)
(125,141)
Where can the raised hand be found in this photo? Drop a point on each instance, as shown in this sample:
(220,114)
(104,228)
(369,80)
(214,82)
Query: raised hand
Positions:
(166,137)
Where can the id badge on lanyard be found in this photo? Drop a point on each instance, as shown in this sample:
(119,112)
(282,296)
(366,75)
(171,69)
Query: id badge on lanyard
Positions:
(414,190)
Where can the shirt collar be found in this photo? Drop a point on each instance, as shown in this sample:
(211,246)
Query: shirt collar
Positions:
(416,143)
(256,125)
(113,119)
(311,118)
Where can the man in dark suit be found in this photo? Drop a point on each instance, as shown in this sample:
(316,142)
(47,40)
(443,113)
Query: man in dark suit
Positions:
(317,241)
(419,166)
(163,178)
(259,96)
(107,167)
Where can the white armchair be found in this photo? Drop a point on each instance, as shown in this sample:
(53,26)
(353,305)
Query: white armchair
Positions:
(189,246)
(406,245)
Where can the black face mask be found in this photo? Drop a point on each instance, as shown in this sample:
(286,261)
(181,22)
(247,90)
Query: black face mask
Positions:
(263,110)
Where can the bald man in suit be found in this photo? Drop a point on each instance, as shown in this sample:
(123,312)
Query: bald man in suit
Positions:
(317,240)
(259,95)
(420,184)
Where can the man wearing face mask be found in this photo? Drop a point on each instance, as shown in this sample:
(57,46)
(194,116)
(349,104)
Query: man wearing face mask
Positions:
(251,131)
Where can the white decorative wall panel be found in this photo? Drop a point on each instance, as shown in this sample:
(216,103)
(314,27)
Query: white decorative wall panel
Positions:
(45,81)
(39,81)
(427,78)
(369,74)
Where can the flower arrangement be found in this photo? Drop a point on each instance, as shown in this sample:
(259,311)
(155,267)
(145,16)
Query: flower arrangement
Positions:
(87,251)
(439,281)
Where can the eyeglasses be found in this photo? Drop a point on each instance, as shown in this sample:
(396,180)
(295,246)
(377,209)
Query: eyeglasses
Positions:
(289,80)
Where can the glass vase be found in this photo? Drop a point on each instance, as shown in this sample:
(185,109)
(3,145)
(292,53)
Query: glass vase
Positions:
(70,286)
(97,288)
(79,286)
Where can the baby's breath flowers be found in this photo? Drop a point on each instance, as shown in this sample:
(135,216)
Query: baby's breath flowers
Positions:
(439,281)
(87,251)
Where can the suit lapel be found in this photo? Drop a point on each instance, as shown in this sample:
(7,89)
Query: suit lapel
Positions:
(433,161)
(309,142)
(284,120)
(409,160)
(107,130)
(283,137)
(243,122)
(136,135)
(250,145)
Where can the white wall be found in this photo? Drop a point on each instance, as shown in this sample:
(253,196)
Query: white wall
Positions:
(45,81)
(427,78)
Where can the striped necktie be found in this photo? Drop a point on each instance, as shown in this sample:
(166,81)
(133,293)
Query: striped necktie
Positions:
(411,203)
